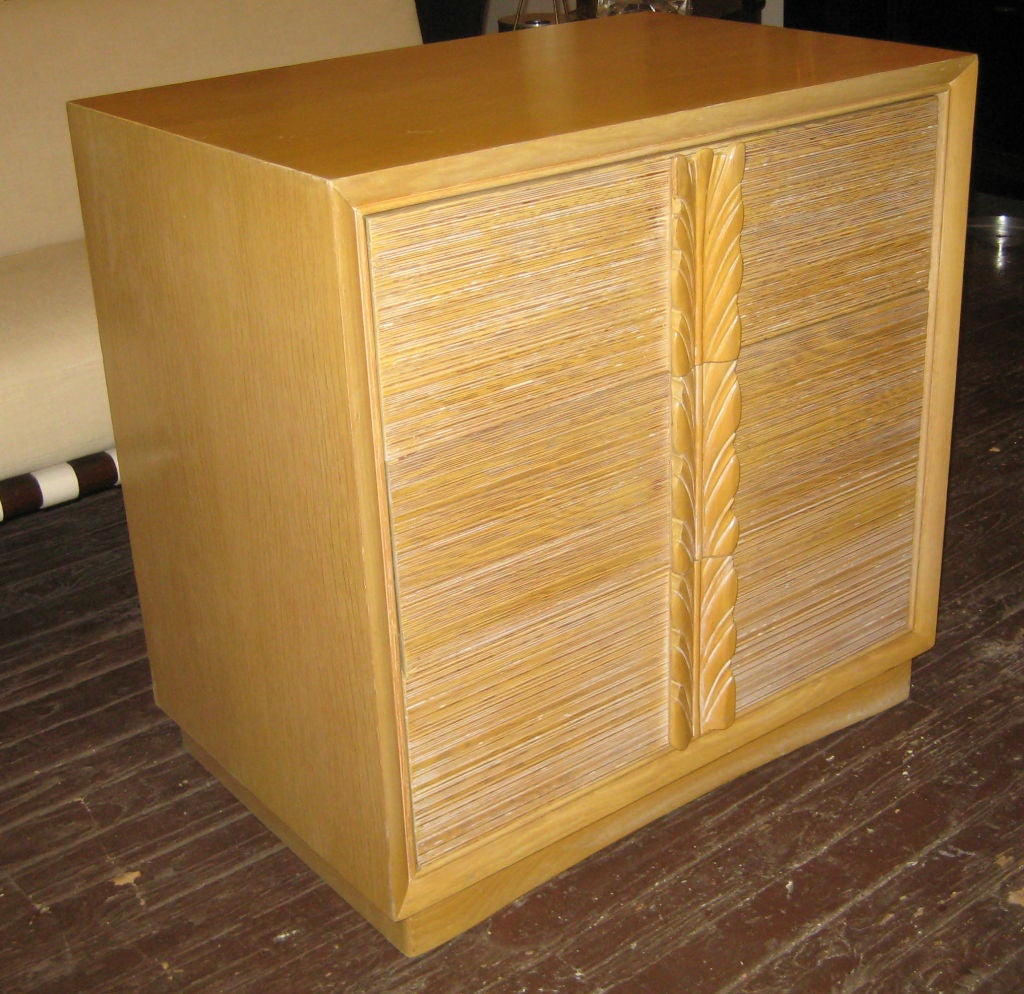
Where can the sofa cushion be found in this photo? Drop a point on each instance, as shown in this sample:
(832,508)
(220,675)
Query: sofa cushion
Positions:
(53,51)
(53,401)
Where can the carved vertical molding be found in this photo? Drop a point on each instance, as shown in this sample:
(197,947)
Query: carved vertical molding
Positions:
(707,266)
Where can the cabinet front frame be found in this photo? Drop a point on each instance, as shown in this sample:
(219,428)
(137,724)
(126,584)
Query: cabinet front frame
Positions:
(564,831)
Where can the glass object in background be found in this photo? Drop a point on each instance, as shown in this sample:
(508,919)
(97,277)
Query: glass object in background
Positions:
(558,11)
(524,19)
(606,8)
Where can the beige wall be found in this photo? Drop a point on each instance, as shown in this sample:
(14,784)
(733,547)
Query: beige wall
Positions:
(52,51)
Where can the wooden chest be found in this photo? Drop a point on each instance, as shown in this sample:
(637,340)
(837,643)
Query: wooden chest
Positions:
(521,436)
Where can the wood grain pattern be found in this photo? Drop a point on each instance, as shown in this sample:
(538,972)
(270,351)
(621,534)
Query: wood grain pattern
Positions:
(270,616)
(919,809)
(420,149)
(707,269)
(524,387)
(837,213)
(834,355)
(707,213)
(828,491)
(400,419)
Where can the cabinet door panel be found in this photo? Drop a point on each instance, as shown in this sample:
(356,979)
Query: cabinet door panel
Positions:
(828,494)
(837,215)
(523,363)
(835,309)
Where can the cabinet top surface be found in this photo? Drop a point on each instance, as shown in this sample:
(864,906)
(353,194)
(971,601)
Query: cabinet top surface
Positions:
(362,114)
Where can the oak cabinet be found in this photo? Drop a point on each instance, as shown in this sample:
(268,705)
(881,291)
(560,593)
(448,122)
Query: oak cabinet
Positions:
(509,459)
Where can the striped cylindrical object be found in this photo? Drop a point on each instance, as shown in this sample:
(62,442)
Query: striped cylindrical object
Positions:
(59,484)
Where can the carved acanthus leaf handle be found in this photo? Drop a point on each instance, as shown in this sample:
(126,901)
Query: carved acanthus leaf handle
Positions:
(707,269)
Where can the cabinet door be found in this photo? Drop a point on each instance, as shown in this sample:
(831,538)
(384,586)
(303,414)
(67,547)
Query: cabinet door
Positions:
(522,353)
(833,373)
(654,439)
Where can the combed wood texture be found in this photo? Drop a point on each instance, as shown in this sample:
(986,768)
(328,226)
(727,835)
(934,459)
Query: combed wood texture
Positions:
(831,373)
(521,340)
(837,214)
(883,859)
(521,355)
(422,379)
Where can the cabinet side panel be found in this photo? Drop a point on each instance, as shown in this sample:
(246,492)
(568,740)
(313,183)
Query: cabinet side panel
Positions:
(218,297)
(835,303)
(525,392)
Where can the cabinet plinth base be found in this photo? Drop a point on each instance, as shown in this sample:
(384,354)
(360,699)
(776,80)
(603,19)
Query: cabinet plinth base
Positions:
(426,929)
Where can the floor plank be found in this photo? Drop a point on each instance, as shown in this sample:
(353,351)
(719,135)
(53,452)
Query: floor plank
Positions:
(888,857)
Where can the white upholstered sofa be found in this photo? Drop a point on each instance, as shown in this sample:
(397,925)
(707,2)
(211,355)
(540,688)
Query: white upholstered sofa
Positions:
(53,403)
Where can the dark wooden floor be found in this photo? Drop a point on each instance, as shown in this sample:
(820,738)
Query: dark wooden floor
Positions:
(887,858)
